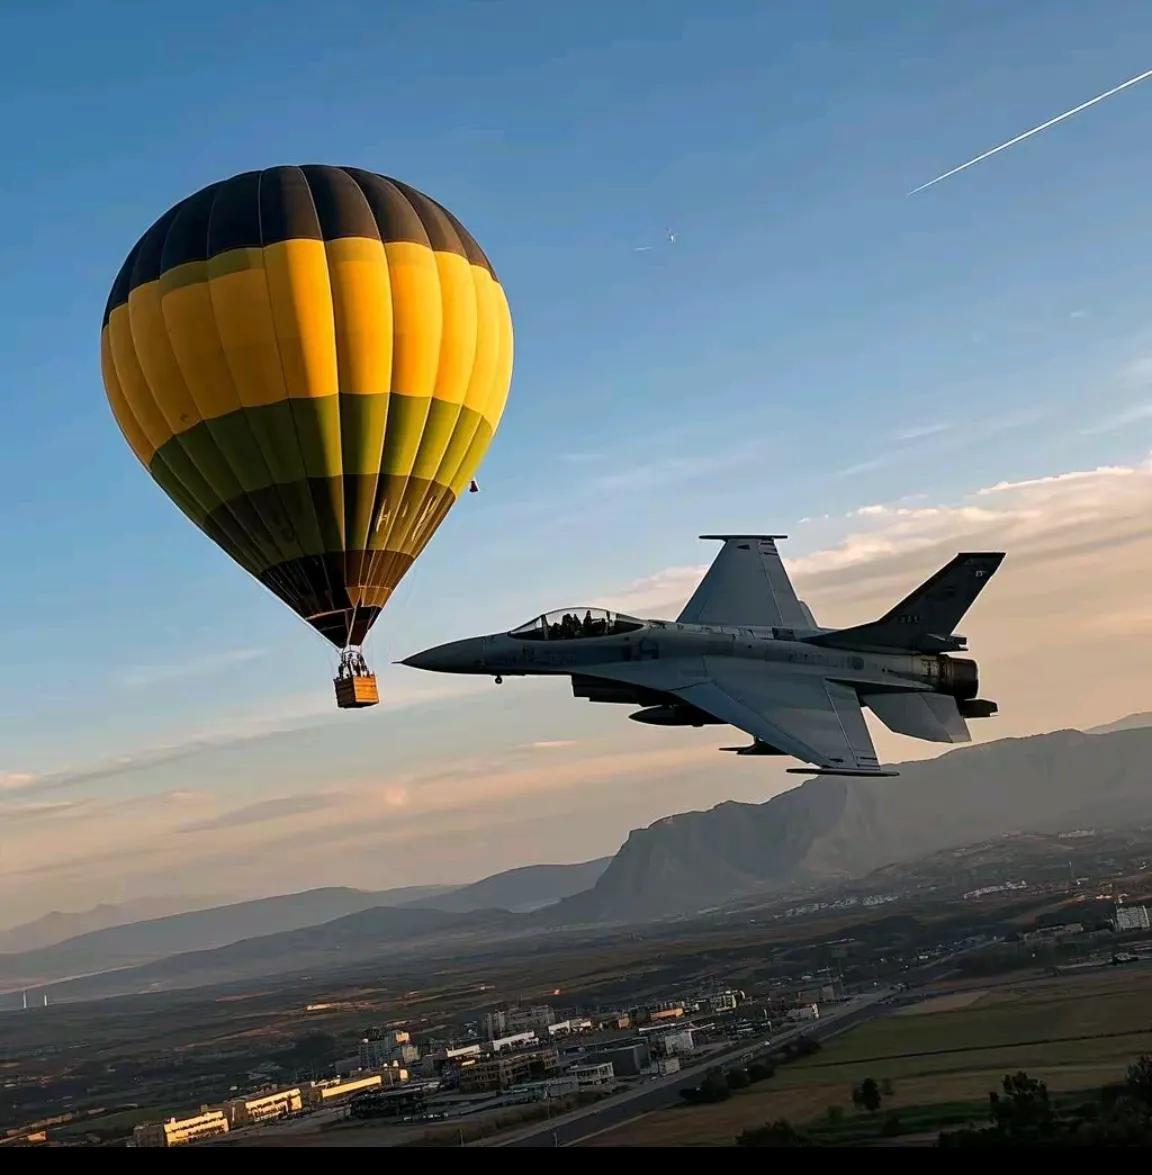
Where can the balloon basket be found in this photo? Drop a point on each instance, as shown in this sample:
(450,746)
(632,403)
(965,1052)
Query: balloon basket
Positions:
(354,693)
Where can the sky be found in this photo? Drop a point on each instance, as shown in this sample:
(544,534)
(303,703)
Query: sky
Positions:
(885,378)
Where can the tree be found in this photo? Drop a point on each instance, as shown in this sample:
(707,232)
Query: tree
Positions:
(714,1088)
(1023,1109)
(1138,1083)
(761,1071)
(737,1079)
(778,1133)
(866,1096)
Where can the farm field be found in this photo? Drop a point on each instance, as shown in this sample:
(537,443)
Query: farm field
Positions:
(1072,1033)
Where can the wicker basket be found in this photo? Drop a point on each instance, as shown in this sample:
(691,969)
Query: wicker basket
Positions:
(356,691)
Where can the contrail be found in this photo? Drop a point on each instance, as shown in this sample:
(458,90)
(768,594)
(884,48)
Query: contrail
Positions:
(1037,129)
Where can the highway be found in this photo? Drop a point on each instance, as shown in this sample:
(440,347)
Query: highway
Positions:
(570,1128)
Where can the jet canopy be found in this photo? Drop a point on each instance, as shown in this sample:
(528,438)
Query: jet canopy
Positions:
(573,623)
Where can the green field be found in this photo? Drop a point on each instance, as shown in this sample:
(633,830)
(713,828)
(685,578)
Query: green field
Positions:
(1074,1034)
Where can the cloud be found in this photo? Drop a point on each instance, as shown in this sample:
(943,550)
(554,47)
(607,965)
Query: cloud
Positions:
(551,744)
(276,716)
(16,780)
(920,432)
(1138,371)
(14,809)
(205,666)
(869,466)
(1127,416)
(1050,516)
(279,808)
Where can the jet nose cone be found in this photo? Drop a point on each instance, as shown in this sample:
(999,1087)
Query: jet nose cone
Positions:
(425,660)
(455,657)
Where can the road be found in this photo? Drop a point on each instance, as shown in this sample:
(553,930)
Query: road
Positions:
(572,1127)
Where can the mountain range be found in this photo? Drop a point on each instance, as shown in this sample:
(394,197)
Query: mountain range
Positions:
(142,942)
(58,926)
(828,828)
(834,827)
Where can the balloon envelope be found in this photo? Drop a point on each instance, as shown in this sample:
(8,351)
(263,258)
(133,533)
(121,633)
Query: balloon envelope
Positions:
(311,362)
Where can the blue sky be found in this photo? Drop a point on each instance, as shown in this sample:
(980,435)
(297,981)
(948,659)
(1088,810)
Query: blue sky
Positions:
(814,341)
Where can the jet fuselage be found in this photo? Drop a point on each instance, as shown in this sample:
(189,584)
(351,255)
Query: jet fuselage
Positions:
(688,646)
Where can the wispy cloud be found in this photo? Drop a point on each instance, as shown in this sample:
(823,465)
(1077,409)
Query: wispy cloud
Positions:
(551,744)
(16,780)
(920,432)
(266,811)
(277,716)
(203,666)
(869,466)
(1133,414)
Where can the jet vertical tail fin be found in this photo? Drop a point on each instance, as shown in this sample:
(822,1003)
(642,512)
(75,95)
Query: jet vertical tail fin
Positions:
(924,620)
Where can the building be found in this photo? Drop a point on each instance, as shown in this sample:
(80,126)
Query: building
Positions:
(328,1093)
(502,1070)
(514,1021)
(519,1041)
(593,1076)
(264,1108)
(627,1060)
(567,1027)
(667,1065)
(676,1043)
(382,1046)
(181,1131)
(721,1001)
(803,1012)
(1132,918)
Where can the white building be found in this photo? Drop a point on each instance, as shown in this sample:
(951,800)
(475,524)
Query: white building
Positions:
(519,1041)
(667,1065)
(803,1012)
(722,1001)
(1132,918)
(592,1076)
(677,1043)
(567,1027)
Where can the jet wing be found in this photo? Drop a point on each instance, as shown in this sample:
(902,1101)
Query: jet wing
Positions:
(747,585)
(809,717)
(803,715)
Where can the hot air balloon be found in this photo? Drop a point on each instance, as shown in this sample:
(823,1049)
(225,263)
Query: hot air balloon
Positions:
(311,362)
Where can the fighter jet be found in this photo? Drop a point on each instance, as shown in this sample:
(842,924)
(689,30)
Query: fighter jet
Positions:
(746,652)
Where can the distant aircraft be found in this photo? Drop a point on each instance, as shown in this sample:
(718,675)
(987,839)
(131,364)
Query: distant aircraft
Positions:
(746,652)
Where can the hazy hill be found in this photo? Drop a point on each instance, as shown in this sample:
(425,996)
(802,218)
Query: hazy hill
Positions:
(57,926)
(339,943)
(1131,722)
(140,942)
(836,827)
(520,890)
